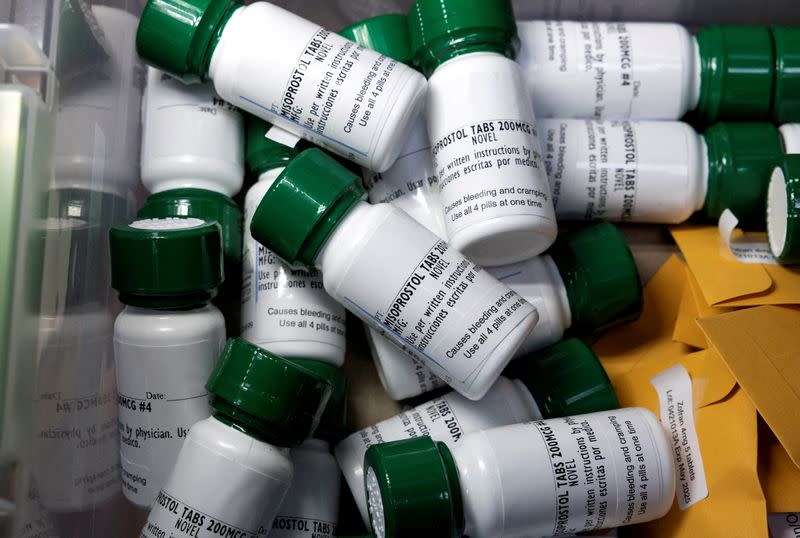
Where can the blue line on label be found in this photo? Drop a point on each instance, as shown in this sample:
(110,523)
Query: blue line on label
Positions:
(502,278)
(382,324)
(303,127)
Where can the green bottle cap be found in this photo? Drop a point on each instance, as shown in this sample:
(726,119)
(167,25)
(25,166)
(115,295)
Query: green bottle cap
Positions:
(202,204)
(783,211)
(741,157)
(443,29)
(600,276)
(266,396)
(737,68)
(179,36)
(304,205)
(386,34)
(166,263)
(413,489)
(262,153)
(332,424)
(566,379)
(786,102)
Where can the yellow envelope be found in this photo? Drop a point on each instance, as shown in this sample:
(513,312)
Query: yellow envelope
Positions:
(780,477)
(735,505)
(725,281)
(761,346)
(693,306)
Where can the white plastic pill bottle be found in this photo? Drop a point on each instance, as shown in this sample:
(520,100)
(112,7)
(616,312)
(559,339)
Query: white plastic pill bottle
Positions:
(651,71)
(485,147)
(783,211)
(564,379)
(661,172)
(393,273)
(410,183)
(311,507)
(234,470)
(191,138)
(285,310)
(587,282)
(166,341)
(314,83)
(544,478)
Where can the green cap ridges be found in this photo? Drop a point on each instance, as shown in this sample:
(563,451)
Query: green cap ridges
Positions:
(332,424)
(786,101)
(262,153)
(166,263)
(741,157)
(304,206)
(386,34)
(737,68)
(179,36)
(600,276)
(443,29)
(202,204)
(783,211)
(271,398)
(419,488)
(566,379)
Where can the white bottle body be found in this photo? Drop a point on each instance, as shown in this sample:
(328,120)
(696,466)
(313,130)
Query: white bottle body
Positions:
(311,507)
(163,361)
(285,310)
(539,478)
(537,280)
(316,84)
(486,154)
(397,276)
(609,70)
(224,481)
(190,137)
(447,419)
(790,135)
(642,171)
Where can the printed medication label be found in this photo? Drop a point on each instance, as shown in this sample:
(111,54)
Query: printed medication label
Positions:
(744,251)
(674,388)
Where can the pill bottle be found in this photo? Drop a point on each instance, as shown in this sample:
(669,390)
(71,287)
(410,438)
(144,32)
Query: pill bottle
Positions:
(542,478)
(234,468)
(191,138)
(587,283)
(316,84)
(484,144)
(311,507)
(658,71)
(410,183)
(285,310)
(783,211)
(393,273)
(166,341)
(564,379)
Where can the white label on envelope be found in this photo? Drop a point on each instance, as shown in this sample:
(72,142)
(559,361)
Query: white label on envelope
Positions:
(744,251)
(674,388)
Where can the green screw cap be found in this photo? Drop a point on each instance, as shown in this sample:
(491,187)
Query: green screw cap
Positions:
(179,36)
(443,29)
(783,211)
(741,157)
(271,398)
(166,263)
(202,204)
(737,69)
(332,424)
(386,34)
(786,102)
(262,153)
(566,379)
(420,494)
(600,276)
(304,205)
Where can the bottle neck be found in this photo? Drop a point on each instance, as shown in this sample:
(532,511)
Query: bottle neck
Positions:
(236,418)
(530,402)
(269,175)
(447,48)
(189,301)
(565,309)
(340,240)
(222,14)
(456,497)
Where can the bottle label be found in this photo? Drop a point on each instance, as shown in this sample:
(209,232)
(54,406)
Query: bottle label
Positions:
(161,393)
(431,301)
(301,527)
(490,169)
(606,471)
(281,304)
